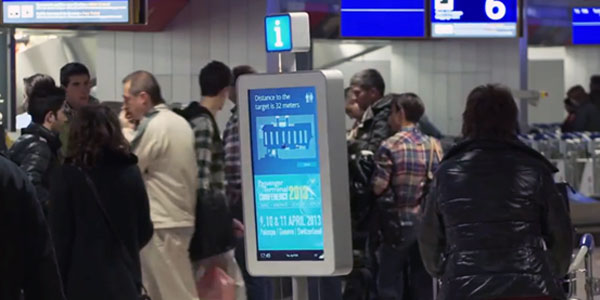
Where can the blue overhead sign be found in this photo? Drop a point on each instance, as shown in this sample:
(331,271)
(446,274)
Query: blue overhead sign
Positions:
(586,25)
(278,33)
(65,12)
(383,18)
(474,18)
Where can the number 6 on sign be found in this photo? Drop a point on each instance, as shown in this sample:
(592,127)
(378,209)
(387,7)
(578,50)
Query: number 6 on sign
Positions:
(495,9)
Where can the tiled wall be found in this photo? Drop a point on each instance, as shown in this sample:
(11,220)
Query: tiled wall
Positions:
(580,64)
(227,30)
(444,72)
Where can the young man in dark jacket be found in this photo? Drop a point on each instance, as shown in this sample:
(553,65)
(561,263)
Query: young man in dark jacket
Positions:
(36,150)
(494,225)
(213,238)
(27,261)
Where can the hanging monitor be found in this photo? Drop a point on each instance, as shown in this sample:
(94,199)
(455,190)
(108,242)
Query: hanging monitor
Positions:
(586,25)
(383,19)
(67,12)
(475,18)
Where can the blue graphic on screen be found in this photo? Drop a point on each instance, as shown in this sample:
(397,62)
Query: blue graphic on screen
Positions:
(474,18)
(65,12)
(383,18)
(586,25)
(287,179)
(278,32)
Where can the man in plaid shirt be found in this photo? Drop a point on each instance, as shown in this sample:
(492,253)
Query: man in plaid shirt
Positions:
(403,164)
(231,137)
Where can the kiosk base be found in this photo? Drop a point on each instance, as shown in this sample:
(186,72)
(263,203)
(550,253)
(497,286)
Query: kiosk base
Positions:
(300,288)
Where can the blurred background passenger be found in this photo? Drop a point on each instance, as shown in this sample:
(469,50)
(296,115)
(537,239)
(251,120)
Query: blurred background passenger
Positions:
(34,82)
(595,90)
(587,116)
(569,123)
(99,211)
(495,226)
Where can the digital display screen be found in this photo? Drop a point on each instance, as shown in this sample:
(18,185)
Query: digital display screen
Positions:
(586,25)
(383,18)
(65,12)
(286,174)
(475,18)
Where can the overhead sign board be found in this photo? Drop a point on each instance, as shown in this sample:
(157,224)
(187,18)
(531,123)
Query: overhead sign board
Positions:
(475,18)
(293,143)
(383,19)
(586,25)
(66,12)
(287,32)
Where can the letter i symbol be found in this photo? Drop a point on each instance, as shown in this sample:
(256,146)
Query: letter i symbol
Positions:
(279,41)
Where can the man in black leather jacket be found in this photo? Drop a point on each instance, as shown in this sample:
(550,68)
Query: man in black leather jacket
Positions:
(367,89)
(494,225)
(36,150)
(28,269)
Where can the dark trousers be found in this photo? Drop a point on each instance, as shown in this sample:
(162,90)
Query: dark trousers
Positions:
(401,274)
(257,288)
(325,288)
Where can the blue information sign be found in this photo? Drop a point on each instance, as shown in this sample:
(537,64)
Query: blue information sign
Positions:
(586,25)
(383,18)
(286,171)
(278,33)
(474,18)
(65,12)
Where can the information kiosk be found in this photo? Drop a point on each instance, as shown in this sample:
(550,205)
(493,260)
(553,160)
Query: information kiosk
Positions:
(295,173)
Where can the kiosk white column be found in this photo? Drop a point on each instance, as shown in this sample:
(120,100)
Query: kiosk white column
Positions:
(292,141)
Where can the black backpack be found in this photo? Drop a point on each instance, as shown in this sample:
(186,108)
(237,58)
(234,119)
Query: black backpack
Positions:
(213,233)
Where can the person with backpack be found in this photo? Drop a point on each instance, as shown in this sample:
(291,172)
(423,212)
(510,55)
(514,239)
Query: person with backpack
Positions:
(212,245)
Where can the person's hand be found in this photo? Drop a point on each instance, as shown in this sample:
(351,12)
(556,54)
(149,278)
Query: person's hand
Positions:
(126,120)
(238,228)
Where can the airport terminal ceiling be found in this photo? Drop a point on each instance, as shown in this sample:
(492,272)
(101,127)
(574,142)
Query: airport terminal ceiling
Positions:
(549,21)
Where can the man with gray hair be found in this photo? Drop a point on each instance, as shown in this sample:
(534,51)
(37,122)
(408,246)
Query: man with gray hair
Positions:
(164,144)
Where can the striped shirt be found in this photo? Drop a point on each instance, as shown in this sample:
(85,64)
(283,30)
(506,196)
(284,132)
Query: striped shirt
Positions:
(233,165)
(210,155)
(401,164)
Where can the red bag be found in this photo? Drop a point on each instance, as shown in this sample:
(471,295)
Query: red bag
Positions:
(216,285)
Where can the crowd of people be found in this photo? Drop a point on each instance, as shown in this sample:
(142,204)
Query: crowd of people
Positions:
(98,204)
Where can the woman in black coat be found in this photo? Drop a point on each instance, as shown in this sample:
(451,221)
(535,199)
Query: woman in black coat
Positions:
(98,253)
(494,225)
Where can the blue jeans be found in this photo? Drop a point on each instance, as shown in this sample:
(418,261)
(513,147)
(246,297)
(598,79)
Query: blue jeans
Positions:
(257,288)
(401,274)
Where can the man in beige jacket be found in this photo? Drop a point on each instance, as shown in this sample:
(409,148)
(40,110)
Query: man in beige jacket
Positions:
(164,144)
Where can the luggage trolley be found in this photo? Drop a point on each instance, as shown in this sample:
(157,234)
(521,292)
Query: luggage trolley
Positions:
(581,283)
